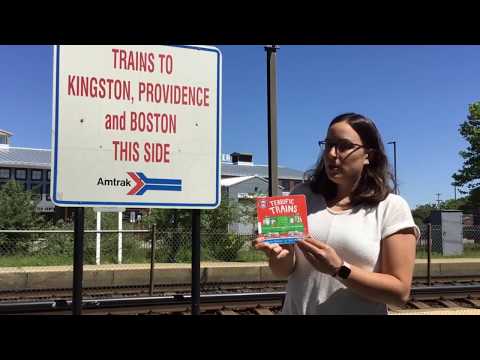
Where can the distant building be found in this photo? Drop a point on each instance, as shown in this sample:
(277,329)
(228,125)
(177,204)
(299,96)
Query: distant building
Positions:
(242,180)
(31,168)
(239,165)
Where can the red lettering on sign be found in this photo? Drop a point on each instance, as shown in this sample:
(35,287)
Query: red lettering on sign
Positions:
(155,152)
(125,150)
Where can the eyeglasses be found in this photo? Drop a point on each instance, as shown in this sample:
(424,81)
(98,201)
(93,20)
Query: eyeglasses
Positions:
(341,146)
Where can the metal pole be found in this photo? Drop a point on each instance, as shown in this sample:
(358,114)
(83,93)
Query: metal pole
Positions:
(78,261)
(455,190)
(272,119)
(99,235)
(152,257)
(195,262)
(429,254)
(395,165)
(120,238)
(438,200)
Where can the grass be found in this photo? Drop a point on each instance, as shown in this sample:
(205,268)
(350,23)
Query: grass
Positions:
(184,255)
(47,260)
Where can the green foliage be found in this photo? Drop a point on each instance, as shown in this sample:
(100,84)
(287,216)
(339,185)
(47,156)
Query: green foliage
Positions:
(172,224)
(422,213)
(174,231)
(17,212)
(470,131)
(218,241)
(224,246)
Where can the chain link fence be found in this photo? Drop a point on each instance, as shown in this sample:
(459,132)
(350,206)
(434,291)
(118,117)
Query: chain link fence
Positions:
(173,245)
(469,246)
(55,247)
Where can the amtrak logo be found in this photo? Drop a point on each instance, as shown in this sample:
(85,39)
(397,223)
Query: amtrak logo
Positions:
(143,184)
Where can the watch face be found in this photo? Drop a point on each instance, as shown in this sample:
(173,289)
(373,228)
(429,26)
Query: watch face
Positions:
(344,272)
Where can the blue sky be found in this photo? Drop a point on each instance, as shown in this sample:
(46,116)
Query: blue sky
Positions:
(417,96)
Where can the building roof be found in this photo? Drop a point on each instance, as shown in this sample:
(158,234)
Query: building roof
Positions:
(14,156)
(236,180)
(5,132)
(260,170)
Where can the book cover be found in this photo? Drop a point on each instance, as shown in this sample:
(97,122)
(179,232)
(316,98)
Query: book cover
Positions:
(282,219)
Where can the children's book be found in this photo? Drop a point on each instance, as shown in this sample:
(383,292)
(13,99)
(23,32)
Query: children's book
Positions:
(282,219)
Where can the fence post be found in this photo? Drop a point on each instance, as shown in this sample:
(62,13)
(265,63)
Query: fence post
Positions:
(152,257)
(120,237)
(429,254)
(99,235)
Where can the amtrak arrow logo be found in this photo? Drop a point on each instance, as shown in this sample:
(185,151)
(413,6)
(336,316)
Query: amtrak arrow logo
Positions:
(142,184)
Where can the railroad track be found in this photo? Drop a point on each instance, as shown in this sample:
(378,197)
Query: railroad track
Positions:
(219,304)
(439,296)
(7,296)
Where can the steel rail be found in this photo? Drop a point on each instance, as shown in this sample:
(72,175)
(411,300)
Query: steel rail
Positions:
(180,300)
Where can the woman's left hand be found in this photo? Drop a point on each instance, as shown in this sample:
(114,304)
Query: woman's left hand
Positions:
(322,257)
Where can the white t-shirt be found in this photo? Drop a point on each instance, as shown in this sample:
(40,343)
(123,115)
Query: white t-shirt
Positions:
(355,234)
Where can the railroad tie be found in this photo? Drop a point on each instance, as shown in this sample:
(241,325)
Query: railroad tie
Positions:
(420,305)
(448,303)
(394,308)
(263,311)
(227,312)
(474,302)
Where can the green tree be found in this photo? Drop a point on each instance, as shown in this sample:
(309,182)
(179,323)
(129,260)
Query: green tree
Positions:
(221,244)
(459,204)
(470,130)
(422,212)
(173,229)
(17,212)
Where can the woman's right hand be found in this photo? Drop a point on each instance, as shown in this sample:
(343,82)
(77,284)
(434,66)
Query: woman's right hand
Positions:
(273,251)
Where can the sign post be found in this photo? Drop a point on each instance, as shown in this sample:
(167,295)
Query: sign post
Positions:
(136,126)
(79,222)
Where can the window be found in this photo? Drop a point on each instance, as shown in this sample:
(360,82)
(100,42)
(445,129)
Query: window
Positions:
(36,174)
(3,139)
(36,188)
(4,173)
(21,174)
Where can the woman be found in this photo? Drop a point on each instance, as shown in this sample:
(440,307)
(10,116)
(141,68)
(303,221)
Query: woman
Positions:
(360,252)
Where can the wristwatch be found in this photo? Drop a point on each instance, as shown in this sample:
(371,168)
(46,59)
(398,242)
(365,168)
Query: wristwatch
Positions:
(343,271)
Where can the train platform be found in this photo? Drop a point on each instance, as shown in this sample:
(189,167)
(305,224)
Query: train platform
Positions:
(47,277)
(437,312)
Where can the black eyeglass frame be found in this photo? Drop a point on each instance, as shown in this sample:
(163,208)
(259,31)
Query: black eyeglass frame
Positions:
(325,144)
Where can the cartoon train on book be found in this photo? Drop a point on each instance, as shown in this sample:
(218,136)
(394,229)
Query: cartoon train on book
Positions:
(282,225)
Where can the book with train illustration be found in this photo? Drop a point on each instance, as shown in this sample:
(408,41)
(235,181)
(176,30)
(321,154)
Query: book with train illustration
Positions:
(282,219)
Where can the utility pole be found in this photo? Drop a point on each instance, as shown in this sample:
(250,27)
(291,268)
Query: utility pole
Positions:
(438,200)
(272,119)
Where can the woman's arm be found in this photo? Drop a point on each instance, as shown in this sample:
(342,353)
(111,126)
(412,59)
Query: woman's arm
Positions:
(390,286)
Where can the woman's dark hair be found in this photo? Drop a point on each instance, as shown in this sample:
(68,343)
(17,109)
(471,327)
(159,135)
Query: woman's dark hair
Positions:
(373,185)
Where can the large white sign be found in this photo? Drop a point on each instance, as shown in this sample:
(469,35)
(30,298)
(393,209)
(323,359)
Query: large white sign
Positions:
(136,126)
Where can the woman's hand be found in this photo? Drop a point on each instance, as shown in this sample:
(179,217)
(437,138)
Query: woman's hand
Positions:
(275,251)
(320,255)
